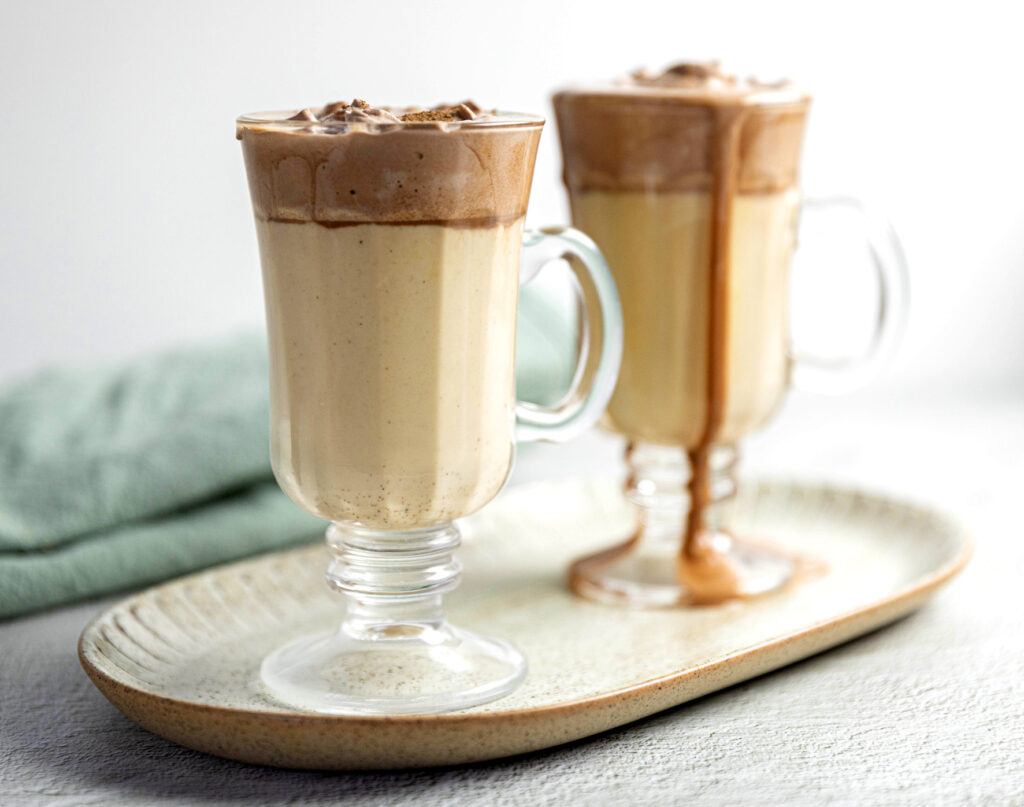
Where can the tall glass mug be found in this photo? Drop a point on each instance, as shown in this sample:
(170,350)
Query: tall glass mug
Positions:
(687,181)
(392,248)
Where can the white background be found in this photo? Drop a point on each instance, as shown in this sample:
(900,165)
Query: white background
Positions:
(126,221)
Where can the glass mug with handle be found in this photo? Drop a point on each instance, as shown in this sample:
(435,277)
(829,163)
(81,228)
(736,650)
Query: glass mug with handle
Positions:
(687,181)
(392,250)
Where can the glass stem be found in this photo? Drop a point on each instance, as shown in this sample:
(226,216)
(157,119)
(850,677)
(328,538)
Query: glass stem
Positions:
(722,462)
(675,557)
(393,581)
(658,484)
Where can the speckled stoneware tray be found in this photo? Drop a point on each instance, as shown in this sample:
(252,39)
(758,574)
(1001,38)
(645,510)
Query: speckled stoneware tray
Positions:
(182,659)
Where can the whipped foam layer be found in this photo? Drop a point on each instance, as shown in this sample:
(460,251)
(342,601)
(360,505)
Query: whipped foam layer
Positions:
(663,132)
(706,76)
(352,163)
(701,82)
(361,112)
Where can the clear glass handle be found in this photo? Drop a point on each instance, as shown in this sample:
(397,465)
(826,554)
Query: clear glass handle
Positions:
(834,376)
(578,409)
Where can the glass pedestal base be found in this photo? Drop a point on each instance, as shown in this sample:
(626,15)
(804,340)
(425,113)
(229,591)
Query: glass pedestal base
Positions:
(441,669)
(647,575)
(394,653)
(677,557)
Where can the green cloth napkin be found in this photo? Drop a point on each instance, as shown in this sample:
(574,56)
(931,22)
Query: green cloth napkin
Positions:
(119,476)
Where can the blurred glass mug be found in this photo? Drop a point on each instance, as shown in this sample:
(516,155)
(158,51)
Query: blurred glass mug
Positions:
(687,181)
(392,253)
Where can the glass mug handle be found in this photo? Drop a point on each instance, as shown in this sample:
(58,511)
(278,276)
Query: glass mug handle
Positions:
(578,409)
(832,376)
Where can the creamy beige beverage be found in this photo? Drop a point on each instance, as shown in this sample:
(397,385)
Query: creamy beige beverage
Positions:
(393,384)
(688,183)
(390,245)
(660,249)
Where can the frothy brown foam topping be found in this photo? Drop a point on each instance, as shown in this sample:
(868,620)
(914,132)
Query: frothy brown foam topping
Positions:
(467,110)
(656,132)
(354,163)
(341,112)
(704,76)
(361,112)
(686,74)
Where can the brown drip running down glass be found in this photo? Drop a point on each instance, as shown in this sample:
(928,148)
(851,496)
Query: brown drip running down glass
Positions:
(688,182)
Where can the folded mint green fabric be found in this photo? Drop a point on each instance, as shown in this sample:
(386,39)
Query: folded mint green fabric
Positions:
(119,476)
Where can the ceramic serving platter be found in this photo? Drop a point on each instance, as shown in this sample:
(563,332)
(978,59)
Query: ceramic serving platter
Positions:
(182,659)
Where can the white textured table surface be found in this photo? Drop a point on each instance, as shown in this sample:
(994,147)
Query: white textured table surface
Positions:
(927,711)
